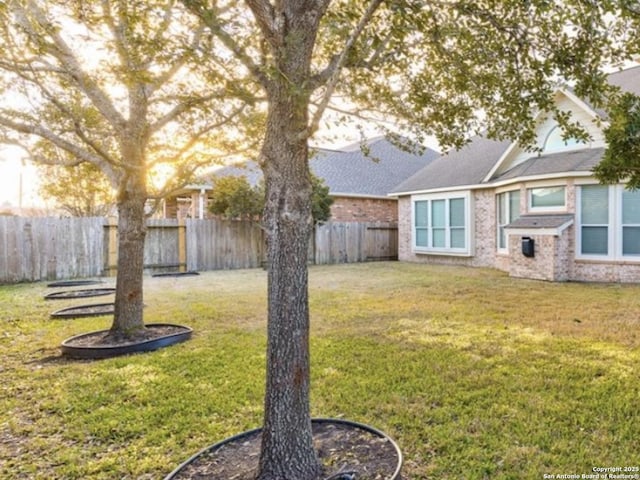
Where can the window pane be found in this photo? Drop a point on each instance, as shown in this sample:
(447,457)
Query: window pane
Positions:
(595,240)
(422,213)
(439,238)
(631,241)
(502,208)
(631,207)
(456,212)
(437,213)
(502,238)
(457,238)
(555,141)
(595,204)
(514,205)
(422,237)
(547,197)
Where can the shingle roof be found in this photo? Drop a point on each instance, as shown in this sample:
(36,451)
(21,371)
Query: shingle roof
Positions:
(541,221)
(467,166)
(248,169)
(574,161)
(376,174)
(470,165)
(350,172)
(627,80)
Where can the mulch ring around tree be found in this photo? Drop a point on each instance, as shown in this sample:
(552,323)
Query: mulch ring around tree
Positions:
(73,283)
(102,344)
(175,274)
(343,447)
(67,294)
(80,311)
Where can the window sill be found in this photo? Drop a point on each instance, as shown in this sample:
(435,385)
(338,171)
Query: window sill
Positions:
(442,253)
(614,261)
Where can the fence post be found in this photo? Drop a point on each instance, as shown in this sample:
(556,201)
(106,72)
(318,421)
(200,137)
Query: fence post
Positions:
(182,245)
(112,248)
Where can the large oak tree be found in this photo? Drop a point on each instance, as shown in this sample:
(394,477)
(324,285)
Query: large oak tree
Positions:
(444,67)
(129,86)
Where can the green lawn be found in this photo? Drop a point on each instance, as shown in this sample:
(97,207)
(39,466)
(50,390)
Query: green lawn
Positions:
(474,374)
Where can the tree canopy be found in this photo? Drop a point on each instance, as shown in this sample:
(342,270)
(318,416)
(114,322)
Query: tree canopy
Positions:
(80,191)
(621,161)
(130,87)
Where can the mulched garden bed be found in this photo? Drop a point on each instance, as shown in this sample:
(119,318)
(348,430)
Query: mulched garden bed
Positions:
(67,294)
(79,311)
(175,274)
(102,344)
(74,283)
(343,447)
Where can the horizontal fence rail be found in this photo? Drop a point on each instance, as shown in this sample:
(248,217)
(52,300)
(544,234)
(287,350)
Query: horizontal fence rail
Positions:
(34,249)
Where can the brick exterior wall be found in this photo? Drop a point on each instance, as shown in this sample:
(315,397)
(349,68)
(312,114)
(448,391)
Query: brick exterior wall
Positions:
(551,260)
(483,251)
(354,209)
(554,258)
(343,209)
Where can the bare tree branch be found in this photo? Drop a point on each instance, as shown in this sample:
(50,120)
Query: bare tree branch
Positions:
(334,76)
(61,51)
(210,19)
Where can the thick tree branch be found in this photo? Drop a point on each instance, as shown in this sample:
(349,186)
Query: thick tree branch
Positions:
(210,19)
(39,131)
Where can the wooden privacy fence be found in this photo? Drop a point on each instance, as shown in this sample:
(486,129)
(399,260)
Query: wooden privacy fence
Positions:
(33,249)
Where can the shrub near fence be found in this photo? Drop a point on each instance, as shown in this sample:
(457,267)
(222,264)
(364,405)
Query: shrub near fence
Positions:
(33,249)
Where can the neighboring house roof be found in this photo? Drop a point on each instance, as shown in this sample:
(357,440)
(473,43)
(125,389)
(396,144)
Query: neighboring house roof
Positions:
(474,164)
(349,172)
(248,169)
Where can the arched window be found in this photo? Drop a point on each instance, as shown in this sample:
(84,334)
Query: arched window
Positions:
(554,141)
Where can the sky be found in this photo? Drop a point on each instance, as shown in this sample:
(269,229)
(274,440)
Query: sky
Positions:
(11,173)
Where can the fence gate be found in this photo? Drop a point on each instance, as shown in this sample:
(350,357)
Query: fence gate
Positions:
(351,242)
(381,243)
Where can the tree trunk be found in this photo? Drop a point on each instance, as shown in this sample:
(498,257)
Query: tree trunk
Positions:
(287,447)
(128,319)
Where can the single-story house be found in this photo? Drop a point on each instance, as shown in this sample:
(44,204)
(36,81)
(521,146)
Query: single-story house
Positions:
(359,183)
(534,215)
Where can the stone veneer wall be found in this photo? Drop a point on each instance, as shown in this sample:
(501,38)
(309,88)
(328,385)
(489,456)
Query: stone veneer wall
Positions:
(354,209)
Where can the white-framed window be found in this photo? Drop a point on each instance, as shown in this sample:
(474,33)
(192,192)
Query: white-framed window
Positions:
(609,223)
(555,143)
(441,223)
(547,199)
(508,206)
(630,223)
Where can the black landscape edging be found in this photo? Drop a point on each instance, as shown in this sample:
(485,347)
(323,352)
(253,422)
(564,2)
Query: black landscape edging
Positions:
(72,294)
(367,428)
(76,311)
(175,274)
(96,353)
(73,283)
